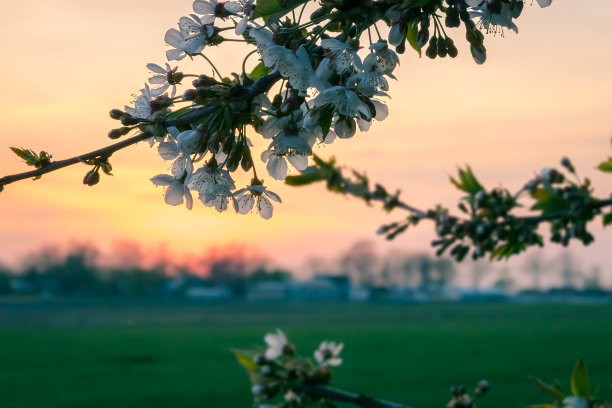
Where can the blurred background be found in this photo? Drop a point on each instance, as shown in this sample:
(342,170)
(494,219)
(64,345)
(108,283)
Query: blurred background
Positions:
(108,296)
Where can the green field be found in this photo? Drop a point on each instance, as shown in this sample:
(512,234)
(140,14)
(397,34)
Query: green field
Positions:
(178,356)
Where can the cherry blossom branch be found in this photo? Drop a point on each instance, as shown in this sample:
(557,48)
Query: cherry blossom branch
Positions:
(489,225)
(262,85)
(333,394)
(60,164)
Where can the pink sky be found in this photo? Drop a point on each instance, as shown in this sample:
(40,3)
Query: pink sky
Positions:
(542,94)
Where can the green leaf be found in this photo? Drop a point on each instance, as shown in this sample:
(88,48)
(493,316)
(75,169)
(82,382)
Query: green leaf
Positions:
(548,201)
(308,176)
(551,391)
(245,360)
(581,386)
(326,115)
(596,392)
(468,181)
(607,219)
(266,8)
(259,71)
(27,155)
(411,36)
(413,4)
(606,166)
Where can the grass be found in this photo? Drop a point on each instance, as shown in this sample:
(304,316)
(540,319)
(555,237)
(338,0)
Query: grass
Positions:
(161,356)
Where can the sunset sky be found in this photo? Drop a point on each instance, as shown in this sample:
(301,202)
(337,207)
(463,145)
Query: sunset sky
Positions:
(542,94)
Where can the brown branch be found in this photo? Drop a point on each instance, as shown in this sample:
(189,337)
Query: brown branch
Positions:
(56,165)
(365,401)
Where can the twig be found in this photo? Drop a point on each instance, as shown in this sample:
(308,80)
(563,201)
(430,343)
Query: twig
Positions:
(365,401)
(56,165)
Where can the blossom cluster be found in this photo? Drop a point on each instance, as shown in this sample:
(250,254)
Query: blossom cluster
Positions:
(280,377)
(330,86)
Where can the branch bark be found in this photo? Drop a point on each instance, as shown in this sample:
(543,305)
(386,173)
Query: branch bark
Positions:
(333,394)
(56,165)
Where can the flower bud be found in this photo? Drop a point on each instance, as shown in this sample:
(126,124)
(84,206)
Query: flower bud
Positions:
(432,49)
(175,78)
(129,120)
(441,45)
(204,80)
(116,114)
(452,17)
(247,159)
(258,359)
(323,375)
(117,133)
(450,46)
(565,162)
(160,103)
(289,349)
(422,36)
(189,95)
(318,13)
(482,387)
(91,178)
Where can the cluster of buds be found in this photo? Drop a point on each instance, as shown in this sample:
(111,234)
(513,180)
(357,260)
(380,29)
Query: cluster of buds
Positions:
(461,399)
(281,377)
(92,177)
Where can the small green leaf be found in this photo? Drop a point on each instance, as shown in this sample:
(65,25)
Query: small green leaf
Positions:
(266,8)
(413,4)
(468,183)
(308,176)
(27,155)
(326,115)
(596,392)
(411,36)
(580,380)
(245,360)
(548,201)
(607,219)
(606,166)
(551,391)
(259,71)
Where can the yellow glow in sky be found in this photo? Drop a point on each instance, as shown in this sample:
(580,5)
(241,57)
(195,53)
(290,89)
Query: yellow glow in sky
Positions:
(542,94)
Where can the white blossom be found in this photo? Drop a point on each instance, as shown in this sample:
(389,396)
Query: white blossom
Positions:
(345,101)
(343,56)
(397,33)
(207,8)
(257,195)
(179,148)
(328,352)
(244,8)
(175,190)
(142,104)
(489,20)
(195,32)
(215,186)
(283,148)
(163,79)
(181,47)
(386,58)
(276,344)
(575,402)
